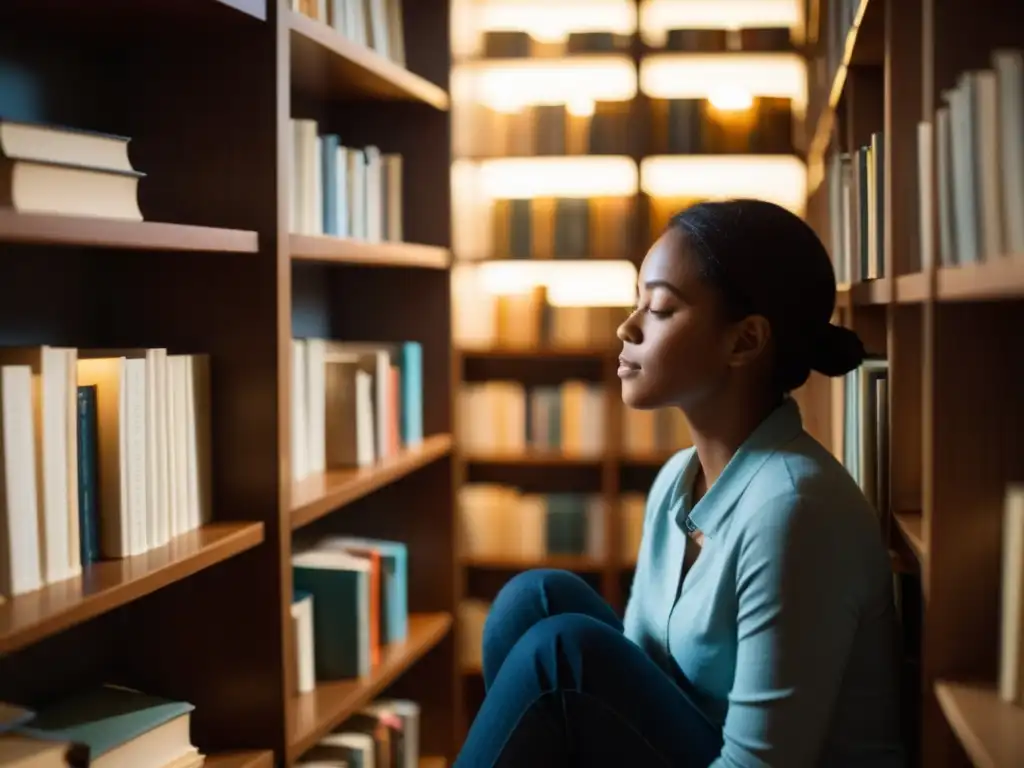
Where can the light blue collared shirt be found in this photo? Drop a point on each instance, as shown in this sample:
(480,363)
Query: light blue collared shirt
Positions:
(783,630)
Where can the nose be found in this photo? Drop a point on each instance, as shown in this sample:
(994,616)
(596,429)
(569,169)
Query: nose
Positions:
(630,331)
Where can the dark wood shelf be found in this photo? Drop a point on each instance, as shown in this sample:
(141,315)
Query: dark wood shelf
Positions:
(911,527)
(343,250)
(316,496)
(47,229)
(106,585)
(316,713)
(653,459)
(575,563)
(254,759)
(1001,278)
(534,459)
(990,730)
(863,46)
(325,63)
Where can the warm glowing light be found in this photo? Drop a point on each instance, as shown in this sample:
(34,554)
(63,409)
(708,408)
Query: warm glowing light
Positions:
(554,20)
(731,99)
(578,80)
(580,107)
(528,177)
(707,75)
(780,179)
(657,17)
(586,283)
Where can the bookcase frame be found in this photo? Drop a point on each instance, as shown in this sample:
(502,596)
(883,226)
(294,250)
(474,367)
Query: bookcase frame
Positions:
(206,88)
(948,333)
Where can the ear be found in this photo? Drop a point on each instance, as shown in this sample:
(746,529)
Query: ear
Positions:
(750,338)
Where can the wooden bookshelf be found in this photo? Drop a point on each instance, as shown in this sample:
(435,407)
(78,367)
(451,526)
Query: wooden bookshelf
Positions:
(319,495)
(947,331)
(576,563)
(316,714)
(106,585)
(341,250)
(215,269)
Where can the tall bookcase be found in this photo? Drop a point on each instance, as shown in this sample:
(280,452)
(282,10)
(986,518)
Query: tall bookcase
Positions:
(949,332)
(205,90)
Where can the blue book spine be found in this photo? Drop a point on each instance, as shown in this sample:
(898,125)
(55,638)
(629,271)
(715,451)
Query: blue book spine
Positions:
(412,392)
(329,175)
(88,490)
(400,605)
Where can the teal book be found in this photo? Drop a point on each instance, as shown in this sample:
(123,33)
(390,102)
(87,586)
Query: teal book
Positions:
(340,585)
(411,366)
(141,729)
(394,578)
(88,478)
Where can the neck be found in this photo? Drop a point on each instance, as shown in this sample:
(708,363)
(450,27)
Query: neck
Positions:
(719,428)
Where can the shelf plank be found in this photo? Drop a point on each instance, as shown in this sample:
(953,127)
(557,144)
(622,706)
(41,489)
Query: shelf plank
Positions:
(575,563)
(316,713)
(534,459)
(912,289)
(1001,278)
(533,353)
(316,496)
(652,459)
(911,527)
(106,585)
(343,250)
(991,731)
(253,759)
(871,292)
(433,762)
(47,229)
(325,63)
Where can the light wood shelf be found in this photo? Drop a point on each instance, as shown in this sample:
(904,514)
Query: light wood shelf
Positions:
(314,714)
(327,64)
(109,584)
(576,563)
(989,729)
(252,759)
(535,458)
(316,496)
(1001,278)
(47,229)
(542,353)
(911,527)
(343,250)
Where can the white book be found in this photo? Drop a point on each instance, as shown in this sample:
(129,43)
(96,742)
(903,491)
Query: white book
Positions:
(20,563)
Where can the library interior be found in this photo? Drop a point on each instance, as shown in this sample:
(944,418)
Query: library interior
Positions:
(381,250)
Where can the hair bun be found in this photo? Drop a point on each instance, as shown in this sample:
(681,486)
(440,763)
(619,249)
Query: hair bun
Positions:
(838,351)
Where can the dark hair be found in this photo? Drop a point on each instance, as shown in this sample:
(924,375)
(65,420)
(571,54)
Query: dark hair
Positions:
(765,260)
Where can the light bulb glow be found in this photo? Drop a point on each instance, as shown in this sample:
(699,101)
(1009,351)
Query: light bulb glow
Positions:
(731,99)
(568,283)
(781,179)
(554,20)
(657,17)
(708,75)
(528,177)
(580,107)
(576,80)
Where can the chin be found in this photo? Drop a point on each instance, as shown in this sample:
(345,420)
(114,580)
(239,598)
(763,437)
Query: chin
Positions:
(635,395)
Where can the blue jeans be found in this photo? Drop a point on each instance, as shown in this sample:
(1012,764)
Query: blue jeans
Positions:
(565,687)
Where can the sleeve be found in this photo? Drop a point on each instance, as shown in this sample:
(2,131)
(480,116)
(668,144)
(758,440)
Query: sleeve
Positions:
(796,591)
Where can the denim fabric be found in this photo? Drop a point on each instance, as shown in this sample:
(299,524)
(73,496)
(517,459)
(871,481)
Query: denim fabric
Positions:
(565,687)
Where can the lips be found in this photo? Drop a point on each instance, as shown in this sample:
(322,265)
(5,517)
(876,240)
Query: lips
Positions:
(627,368)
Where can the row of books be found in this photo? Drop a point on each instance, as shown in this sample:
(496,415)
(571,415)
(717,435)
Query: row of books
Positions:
(482,319)
(863,396)
(510,44)
(103,454)
(376,24)
(350,601)
(109,726)
(384,734)
(353,404)
(502,522)
(478,130)
(341,191)
(66,171)
(561,228)
(977,136)
(857,212)
(508,418)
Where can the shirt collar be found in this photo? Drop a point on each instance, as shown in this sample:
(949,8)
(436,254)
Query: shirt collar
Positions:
(780,427)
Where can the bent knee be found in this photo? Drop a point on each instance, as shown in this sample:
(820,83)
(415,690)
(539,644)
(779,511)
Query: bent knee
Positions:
(575,636)
(538,582)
